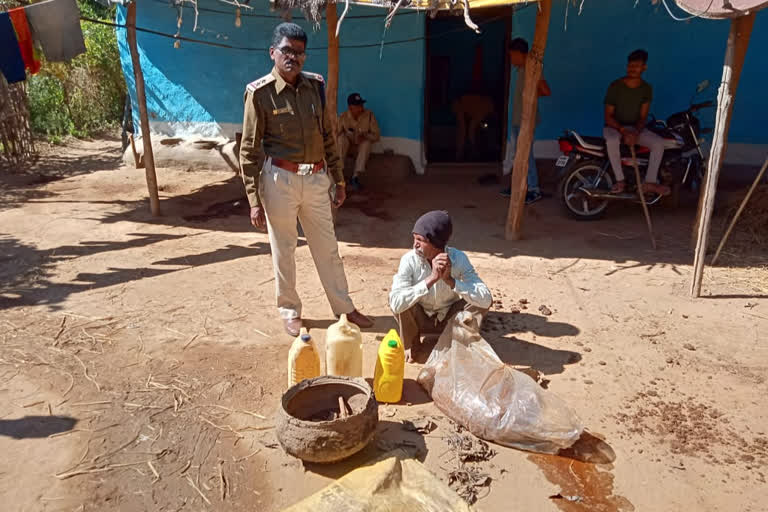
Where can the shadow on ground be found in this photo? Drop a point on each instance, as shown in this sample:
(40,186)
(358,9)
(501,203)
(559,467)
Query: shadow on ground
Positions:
(26,272)
(36,426)
(382,216)
(378,217)
(24,182)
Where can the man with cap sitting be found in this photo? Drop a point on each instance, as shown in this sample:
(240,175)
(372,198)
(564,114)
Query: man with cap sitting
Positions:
(433,283)
(357,131)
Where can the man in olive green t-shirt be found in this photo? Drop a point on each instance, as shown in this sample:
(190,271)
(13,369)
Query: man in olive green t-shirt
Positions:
(627,103)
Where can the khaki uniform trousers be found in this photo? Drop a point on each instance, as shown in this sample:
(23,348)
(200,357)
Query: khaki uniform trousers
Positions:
(287,196)
(363,152)
(415,323)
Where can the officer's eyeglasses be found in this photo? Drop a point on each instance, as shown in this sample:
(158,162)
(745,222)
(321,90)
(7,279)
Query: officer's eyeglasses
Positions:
(291,53)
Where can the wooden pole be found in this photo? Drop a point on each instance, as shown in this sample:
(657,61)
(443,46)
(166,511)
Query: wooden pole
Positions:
(740,54)
(149,159)
(738,42)
(332,89)
(741,209)
(641,193)
(524,142)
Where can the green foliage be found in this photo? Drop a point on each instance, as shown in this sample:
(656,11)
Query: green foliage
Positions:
(86,95)
(49,111)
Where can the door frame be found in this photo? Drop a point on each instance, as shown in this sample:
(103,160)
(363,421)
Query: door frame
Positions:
(489,13)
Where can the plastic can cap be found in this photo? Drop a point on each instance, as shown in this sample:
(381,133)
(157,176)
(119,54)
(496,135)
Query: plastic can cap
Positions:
(306,337)
(392,343)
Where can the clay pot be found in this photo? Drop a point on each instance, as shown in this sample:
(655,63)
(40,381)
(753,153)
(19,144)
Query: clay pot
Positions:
(309,425)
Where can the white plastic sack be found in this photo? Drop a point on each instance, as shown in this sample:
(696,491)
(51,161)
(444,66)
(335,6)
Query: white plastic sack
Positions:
(472,386)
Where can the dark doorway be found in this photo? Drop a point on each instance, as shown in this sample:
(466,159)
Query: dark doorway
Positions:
(467,87)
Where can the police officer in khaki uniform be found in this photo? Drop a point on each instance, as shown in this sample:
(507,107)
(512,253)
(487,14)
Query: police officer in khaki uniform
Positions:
(357,131)
(287,156)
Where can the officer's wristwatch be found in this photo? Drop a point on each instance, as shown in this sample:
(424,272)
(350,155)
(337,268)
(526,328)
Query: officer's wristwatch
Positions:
(341,184)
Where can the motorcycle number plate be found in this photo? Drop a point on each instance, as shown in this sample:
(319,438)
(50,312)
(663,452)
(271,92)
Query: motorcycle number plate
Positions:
(562,161)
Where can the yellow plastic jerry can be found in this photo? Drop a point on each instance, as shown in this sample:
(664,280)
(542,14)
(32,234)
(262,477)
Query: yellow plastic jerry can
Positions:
(344,349)
(390,369)
(303,359)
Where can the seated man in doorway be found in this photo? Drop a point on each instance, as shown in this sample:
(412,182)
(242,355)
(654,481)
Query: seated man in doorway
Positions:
(357,131)
(627,103)
(470,110)
(434,283)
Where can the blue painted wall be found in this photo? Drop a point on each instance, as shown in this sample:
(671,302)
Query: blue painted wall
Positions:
(203,83)
(580,63)
(197,83)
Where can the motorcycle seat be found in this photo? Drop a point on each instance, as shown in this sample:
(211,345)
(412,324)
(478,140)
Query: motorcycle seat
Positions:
(593,143)
(598,144)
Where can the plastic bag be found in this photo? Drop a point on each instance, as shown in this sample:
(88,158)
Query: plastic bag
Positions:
(472,386)
(395,482)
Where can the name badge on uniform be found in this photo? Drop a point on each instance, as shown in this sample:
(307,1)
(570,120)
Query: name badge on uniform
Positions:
(288,109)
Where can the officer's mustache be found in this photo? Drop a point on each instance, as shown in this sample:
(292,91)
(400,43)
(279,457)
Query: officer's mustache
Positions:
(292,62)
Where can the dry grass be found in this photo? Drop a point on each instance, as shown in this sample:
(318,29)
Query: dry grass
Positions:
(748,242)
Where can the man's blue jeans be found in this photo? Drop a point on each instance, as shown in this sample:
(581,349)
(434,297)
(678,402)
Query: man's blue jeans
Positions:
(533,173)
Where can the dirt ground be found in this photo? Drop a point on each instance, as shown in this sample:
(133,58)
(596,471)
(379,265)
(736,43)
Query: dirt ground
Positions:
(142,360)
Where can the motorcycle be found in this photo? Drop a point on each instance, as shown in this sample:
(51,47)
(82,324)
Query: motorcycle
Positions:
(586,178)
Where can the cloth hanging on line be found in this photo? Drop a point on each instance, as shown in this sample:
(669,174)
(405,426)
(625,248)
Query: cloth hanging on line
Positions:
(56,27)
(24,37)
(11,61)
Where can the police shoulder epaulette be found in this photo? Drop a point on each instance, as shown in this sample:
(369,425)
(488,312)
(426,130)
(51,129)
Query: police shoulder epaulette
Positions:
(313,76)
(261,82)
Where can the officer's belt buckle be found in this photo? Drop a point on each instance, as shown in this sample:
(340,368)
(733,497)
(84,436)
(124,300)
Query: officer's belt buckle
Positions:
(305,169)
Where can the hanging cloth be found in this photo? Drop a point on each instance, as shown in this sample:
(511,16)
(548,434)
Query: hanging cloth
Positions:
(56,27)
(11,62)
(24,36)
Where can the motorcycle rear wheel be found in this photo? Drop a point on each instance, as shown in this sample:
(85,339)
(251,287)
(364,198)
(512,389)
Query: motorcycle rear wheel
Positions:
(577,204)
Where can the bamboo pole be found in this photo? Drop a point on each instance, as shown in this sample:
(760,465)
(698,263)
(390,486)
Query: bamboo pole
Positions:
(741,209)
(524,142)
(738,42)
(149,159)
(641,193)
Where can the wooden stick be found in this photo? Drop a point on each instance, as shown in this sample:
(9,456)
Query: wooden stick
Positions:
(85,372)
(192,484)
(136,158)
(222,481)
(64,476)
(149,159)
(189,342)
(154,471)
(524,142)
(642,197)
(738,41)
(741,209)
(342,407)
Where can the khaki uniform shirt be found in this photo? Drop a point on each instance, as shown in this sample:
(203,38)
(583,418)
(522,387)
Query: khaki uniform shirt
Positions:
(364,125)
(286,122)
